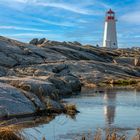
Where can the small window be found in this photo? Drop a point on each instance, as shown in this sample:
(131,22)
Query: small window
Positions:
(114,44)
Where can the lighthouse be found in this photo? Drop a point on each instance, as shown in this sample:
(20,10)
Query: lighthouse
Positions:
(110,34)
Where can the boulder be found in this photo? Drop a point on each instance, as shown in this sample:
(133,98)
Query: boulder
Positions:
(6,60)
(77,43)
(59,68)
(137,61)
(41,89)
(40,72)
(34,41)
(53,105)
(41,41)
(73,82)
(3,71)
(28,59)
(62,86)
(63,72)
(124,60)
(13,101)
(3,112)
(66,84)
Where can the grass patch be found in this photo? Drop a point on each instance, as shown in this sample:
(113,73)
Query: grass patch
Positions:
(120,82)
(11,133)
(70,109)
(125,82)
(109,135)
(90,85)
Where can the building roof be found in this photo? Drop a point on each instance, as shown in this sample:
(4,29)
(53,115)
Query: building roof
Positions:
(110,11)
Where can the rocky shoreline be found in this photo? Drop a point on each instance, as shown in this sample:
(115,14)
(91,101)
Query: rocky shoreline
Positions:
(35,76)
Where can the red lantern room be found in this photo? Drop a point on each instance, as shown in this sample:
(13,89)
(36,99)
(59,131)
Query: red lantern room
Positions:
(110,15)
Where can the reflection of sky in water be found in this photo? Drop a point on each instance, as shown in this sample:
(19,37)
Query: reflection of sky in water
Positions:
(119,109)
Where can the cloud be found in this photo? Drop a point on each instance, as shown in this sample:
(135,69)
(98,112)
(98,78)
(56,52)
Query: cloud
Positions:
(72,7)
(18,1)
(22,28)
(79,8)
(66,24)
(68,7)
(22,1)
(131,17)
(137,36)
(105,5)
(27,35)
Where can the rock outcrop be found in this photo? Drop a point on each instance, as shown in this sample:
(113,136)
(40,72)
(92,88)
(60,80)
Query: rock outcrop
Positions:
(34,41)
(35,76)
(13,101)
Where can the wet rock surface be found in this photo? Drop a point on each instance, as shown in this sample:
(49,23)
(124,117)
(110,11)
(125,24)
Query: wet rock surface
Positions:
(34,76)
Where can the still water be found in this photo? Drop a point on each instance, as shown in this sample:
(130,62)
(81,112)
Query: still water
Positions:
(106,108)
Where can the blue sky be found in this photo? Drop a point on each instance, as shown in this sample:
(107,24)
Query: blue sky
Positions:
(69,20)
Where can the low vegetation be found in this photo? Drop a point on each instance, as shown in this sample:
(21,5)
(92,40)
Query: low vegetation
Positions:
(120,82)
(11,133)
(71,109)
(125,82)
(110,135)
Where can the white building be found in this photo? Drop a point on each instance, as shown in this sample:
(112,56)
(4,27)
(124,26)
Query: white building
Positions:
(110,35)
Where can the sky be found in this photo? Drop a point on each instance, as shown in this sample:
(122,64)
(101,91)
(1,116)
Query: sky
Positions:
(69,20)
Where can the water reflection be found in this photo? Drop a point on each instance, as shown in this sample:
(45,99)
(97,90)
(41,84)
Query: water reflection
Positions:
(110,107)
(106,108)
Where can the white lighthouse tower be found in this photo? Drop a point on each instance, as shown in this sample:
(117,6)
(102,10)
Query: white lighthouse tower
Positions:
(110,35)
